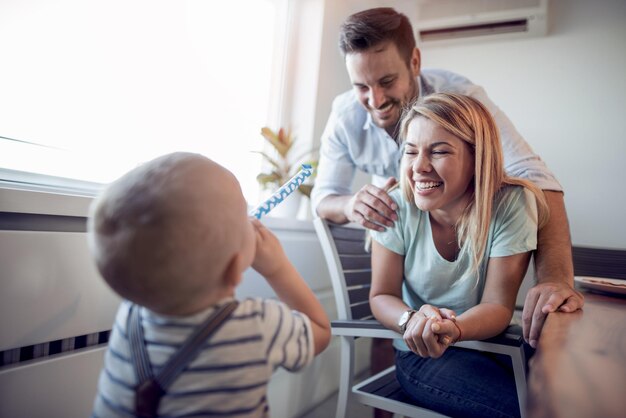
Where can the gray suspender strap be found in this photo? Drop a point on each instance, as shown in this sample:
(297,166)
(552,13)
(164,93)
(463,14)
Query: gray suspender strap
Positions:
(150,388)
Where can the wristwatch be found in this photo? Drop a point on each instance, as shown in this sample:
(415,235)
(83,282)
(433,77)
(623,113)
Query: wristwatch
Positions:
(405,318)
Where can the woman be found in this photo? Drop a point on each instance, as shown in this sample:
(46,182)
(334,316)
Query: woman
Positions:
(451,266)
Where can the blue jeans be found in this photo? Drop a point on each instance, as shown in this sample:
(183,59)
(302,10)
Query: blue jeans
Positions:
(461,383)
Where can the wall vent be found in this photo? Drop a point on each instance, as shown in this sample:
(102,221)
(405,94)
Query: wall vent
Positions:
(445,21)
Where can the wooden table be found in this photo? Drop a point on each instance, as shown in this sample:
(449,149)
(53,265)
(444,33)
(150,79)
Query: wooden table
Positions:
(579,368)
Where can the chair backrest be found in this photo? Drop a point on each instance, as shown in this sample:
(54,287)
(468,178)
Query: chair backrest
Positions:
(599,262)
(349,266)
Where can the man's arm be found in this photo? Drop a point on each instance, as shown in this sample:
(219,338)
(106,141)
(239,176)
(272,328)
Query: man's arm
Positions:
(332,208)
(554,270)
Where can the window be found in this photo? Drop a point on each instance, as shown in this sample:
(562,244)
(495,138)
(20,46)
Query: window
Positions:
(90,89)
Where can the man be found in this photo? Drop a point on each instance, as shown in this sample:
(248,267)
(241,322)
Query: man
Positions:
(384,66)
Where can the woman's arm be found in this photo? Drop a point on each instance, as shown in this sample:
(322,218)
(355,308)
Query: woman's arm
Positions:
(387,305)
(429,336)
(493,314)
(386,291)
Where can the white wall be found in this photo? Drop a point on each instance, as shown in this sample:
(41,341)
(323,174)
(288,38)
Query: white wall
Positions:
(565,92)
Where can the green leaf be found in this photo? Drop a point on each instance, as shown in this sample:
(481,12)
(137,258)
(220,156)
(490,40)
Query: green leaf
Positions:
(283,168)
(267,180)
(282,145)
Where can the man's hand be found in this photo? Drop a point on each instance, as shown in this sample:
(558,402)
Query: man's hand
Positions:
(543,299)
(372,207)
(555,272)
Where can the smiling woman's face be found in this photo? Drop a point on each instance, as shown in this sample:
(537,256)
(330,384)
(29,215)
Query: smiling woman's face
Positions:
(439,168)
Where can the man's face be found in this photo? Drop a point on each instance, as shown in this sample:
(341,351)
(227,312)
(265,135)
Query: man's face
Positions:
(383,82)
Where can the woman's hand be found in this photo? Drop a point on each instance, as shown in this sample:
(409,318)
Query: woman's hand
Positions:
(430,331)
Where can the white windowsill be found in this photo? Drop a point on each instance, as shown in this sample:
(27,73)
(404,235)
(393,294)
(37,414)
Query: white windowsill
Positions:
(45,200)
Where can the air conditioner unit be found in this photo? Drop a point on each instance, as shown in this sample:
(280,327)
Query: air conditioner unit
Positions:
(446,21)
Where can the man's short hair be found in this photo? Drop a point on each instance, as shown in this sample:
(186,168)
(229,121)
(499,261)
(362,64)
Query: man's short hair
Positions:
(371,27)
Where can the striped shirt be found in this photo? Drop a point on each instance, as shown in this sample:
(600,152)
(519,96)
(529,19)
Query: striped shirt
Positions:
(229,376)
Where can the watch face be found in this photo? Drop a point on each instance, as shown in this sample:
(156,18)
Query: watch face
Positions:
(404,318)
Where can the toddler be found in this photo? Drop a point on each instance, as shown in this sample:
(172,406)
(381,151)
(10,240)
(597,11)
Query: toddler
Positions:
(173,238)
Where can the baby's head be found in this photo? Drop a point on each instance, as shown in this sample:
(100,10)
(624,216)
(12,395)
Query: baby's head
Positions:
(173,234)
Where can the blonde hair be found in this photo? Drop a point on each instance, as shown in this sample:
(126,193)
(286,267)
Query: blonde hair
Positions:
(470,121)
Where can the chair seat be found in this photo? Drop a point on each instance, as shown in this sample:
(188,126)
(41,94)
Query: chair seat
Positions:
(384,391)
(386,385)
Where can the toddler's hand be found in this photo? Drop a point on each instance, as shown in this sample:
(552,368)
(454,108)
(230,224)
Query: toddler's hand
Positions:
(269,257)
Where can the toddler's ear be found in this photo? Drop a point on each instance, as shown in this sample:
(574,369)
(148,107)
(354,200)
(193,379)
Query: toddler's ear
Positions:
(234,271)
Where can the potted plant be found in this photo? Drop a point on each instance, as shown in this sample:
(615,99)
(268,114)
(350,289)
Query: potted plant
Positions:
(283,165)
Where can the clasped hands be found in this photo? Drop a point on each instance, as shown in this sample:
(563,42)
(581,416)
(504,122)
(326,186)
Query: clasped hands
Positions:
(431,330)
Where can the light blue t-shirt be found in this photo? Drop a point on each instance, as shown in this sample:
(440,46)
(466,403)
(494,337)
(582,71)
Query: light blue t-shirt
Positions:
(430,278)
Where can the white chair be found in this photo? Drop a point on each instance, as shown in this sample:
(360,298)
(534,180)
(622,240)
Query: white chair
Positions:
(350,271)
